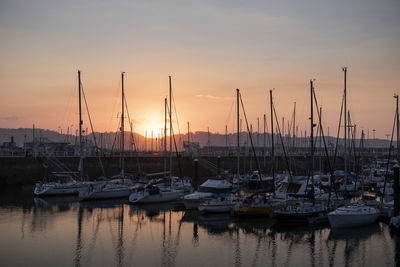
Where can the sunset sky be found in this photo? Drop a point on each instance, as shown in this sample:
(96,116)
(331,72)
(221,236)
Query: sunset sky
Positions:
(209,48)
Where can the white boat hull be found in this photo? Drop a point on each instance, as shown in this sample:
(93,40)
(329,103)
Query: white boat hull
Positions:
(192,201)
(91,195)
(57,190)
(145,197)
(351,220)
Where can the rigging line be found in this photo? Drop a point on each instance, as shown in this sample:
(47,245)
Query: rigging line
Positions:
(325,148)
(230,112)
(177,154)
(130,122)
(338,133)
(388,161)
(69,109)
(176,113)
(250,135)
(91,126)
(283,145)
(115,103)
(135,147)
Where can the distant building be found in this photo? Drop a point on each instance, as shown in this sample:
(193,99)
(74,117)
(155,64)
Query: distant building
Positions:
(11,149)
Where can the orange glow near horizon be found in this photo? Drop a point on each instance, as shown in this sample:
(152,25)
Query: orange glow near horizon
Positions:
(209,51)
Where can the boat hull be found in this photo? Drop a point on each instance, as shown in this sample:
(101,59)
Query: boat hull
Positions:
(291,218)
(342,221)
(215,208)
(145,198)
(92,195)
(57,190)
(254,211)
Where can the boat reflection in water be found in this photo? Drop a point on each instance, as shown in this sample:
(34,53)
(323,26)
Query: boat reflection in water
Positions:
(59,232)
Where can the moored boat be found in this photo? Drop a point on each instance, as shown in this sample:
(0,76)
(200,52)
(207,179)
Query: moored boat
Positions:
(352,216)
(208,189)
(154,194)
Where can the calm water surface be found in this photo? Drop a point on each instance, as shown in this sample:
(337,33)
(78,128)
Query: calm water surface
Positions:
(65,232)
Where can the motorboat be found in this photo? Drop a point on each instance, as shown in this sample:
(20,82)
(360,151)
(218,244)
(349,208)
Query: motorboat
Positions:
(352,216)
(210,188)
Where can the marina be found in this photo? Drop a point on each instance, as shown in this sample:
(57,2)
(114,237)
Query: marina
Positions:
(65,232)
(199,133)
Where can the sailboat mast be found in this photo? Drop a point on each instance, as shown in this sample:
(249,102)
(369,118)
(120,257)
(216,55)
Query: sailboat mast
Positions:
(294,126)
(188,133)
(272,142)
(170,127)
(264,143)
(312,134)
(238,138)
(345,123)
(397,125)
(80,125)
(122,125)
(165,137)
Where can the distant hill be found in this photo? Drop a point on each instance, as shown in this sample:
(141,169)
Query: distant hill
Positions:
(111,139)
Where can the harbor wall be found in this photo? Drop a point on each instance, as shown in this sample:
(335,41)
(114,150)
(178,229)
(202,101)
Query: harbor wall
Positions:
(28,170)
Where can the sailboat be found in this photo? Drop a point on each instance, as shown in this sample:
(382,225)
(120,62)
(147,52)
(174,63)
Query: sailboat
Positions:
(352,216)
(116,188)
(208,189)
(258,204)
(152,193)
(64,182)
(300,211)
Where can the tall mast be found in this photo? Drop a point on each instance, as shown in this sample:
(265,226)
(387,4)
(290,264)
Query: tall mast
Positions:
(272,142)
(238,138)
(188,132)
(258,131)
(170,128)
(122,125)
(345,124)
(397,125)
(165,136)
(226,136)
(294,125)
(264,143)
(80,125)
(312,134)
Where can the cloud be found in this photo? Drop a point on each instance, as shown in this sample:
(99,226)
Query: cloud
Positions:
(10,118)
(212,97)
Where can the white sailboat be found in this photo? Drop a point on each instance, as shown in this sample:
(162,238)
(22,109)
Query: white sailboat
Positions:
(65,183)
(352,216)
(154,194)
(116,188)
(207,189)
(218,205)
(166,193)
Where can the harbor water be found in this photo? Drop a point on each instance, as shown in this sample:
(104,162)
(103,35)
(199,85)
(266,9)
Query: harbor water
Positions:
(61,231)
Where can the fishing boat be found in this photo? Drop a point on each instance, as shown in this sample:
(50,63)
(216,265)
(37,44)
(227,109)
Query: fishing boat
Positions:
(352,216)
